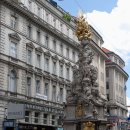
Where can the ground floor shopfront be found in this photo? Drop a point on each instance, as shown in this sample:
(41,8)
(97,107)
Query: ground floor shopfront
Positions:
(11,125)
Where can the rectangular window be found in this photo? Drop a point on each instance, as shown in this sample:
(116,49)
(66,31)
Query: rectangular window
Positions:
(13,49)
(28,86)
(107,85)
(61,27)
(54,45)
(13,82)
(115,59)
(38,60)
(47,64)
(54,93)
(36,117)
(67,31)
(67,52)
(46,89)
(30,5)
(38,36)
(27,114)
(107,73)
(54,67)
(29,30)
(13,22)
(46,41)
(59,121)
(61,49)
(61,70)
(53,120)
(29,56)
(54,22)
(47,17)
(67,73)
(73,56)
(61,95)
(37,86)
(39,11)
(45,118)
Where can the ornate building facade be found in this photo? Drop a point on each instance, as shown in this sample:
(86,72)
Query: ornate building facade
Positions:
(116,79)
(38,51)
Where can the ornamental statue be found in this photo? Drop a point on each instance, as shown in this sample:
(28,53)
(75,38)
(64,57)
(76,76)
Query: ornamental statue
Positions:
(84,87)
(82,32)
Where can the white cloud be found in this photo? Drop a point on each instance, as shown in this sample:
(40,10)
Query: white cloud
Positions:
(114,27)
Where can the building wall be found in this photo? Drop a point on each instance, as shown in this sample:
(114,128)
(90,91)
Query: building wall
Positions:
(37,46)
(116,79)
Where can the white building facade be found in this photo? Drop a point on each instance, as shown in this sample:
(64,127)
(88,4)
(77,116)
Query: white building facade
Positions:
(116,79)
(38,50)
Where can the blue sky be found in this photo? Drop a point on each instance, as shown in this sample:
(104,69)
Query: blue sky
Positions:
(72,6)
(111,19)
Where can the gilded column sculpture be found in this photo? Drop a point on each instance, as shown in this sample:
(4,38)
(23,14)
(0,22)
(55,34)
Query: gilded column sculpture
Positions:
(83,94)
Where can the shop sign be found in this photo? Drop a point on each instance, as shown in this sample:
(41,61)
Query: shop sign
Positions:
(43,108)
(15,111)
(41,96)
(9,123)
(26,127)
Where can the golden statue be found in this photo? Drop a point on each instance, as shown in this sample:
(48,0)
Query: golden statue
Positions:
(83,30)
(80,110)
(88,126)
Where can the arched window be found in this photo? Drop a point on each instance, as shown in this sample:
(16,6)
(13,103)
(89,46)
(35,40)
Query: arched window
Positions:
(13,81)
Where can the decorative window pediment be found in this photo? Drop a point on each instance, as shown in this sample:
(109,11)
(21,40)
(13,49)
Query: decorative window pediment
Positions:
(15,36)
(47,53)
(68,64)
(74,67)
(39,49)
(62,61)
(55,57)
(30,44)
